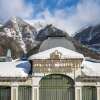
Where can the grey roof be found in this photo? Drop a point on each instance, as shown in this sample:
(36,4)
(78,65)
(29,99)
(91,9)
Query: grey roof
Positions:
(52,42)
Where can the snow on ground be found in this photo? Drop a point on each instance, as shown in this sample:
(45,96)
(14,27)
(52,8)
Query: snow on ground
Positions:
(91,68)
(14,69)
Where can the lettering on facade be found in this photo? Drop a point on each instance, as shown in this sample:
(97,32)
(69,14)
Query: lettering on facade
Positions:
(55,63)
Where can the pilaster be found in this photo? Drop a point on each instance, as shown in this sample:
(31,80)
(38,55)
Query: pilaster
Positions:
(78,93)
(98,92)
(14,92)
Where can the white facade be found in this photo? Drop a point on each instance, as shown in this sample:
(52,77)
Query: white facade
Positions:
(83,73)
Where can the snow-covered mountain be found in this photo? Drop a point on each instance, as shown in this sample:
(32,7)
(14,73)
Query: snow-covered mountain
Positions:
(20,31)
(49,30)
(22,36)
(90,37)
(38,24)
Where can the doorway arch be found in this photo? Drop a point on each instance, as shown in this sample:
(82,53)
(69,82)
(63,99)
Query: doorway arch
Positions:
(56,87)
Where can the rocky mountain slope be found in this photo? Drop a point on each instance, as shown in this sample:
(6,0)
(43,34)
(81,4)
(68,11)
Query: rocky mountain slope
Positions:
(49,30)
(20,32)
(21,37)
(90,37)
(8,42)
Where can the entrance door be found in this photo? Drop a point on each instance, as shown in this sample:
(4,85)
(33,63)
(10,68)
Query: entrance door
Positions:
(56,87)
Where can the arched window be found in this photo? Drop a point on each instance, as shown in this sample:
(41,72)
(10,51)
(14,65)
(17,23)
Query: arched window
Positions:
(56,87)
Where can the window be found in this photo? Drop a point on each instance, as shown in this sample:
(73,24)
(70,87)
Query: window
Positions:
(24,93)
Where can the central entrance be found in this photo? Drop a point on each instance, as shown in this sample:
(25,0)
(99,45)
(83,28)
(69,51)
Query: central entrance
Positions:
(56,87)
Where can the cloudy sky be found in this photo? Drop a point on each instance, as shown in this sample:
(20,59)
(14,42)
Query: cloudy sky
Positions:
(69,15)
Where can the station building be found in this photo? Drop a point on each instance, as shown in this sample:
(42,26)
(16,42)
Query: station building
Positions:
(56,72)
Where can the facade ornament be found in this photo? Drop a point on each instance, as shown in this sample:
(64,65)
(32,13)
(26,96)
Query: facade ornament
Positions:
(56,55)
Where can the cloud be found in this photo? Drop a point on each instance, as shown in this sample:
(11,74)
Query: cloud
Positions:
(60,2)
(85,14)
(9,8)
(72,19)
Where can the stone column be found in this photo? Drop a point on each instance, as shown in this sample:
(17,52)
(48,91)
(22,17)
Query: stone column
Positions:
(35,87)
(14,92)
(98,92)
(35,93)
(78,93)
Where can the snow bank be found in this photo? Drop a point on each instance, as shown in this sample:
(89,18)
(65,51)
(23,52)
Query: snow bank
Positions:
(14,69)
(91,68)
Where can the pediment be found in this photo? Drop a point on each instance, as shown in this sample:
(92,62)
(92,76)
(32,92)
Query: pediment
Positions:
(57,53)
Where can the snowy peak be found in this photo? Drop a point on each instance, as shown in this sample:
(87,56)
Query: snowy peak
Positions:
(22,32)
(16,22)
(50,31)
(28,37)
(37,24)
(90,37)
(12,21)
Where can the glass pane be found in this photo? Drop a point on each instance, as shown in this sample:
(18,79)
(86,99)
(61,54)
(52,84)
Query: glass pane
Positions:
(57,87)
(5,93)
(89,93)
(25,93)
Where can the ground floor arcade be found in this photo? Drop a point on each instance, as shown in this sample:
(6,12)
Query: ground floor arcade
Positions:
(50,87)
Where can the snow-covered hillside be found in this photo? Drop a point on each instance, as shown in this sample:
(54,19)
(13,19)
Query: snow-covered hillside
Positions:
(38,24)
(27,35)
(20,31)
(90,37)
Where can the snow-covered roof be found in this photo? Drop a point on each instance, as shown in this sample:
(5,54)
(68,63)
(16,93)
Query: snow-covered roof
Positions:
(14,69)
(91,68)
(66,53)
